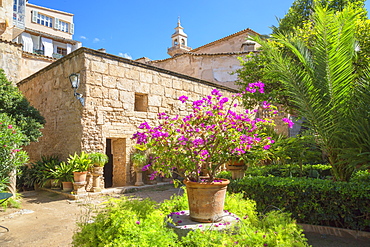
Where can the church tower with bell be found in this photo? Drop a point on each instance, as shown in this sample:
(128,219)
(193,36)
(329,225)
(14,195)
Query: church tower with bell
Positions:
(179,41)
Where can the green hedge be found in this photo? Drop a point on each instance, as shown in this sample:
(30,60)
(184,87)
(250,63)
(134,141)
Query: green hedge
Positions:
(291,170)
(311,201)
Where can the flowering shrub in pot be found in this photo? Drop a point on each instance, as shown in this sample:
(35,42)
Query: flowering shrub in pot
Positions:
(197,145)
(205,139)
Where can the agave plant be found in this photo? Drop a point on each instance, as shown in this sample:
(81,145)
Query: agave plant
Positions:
(63,172)
(323,82)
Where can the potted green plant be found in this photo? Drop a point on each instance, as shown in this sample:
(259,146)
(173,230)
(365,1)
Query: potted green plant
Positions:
(98,160)
(194,146)
(63,173)
(80,163)
(48,164)
(139,159)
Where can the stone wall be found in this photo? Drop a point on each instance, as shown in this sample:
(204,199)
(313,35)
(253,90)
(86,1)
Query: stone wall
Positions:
(10,57)
(110,85)
(17,64)
(231,43)
(216,68)
(49,90)
(31,63)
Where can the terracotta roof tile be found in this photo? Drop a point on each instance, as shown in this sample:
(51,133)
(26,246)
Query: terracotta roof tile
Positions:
(203,54)
(248,30)
(57,38)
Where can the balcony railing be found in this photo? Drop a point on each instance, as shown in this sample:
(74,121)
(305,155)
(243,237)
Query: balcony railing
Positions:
(57,55)
(38,52)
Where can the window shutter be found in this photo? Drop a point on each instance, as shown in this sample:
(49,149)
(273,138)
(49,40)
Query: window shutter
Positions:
(56,23)
(71,28)
(34,16)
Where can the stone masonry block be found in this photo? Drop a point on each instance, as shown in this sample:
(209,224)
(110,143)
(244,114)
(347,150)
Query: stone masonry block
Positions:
(95,92)
(109,81)
(99,67)
(146,77)
(125,84)
(94,78)
(187,86)
(153,109)
(166,81)
(154,100)
(177,84)
(141,88)
(127,97)
(132,74)
(156,89)
(169,92)
(113,94)
(115,70)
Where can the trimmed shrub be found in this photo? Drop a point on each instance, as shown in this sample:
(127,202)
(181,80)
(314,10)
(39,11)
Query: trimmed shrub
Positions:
(131,222)
(311,201)
(291,170)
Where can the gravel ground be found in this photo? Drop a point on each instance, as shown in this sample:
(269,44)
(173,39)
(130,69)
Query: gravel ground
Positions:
(49,219)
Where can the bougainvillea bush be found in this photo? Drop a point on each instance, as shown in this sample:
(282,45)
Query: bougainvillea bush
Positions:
(215,131)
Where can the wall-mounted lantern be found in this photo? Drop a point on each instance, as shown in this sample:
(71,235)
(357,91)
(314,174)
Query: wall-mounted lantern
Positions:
(75,81)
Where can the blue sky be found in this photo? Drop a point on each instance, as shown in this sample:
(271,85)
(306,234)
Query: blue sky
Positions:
(143,28)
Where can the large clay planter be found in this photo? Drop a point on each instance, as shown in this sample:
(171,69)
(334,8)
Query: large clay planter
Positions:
(237,169)
(235,165)
(67,186)
(206,200)
(79,176)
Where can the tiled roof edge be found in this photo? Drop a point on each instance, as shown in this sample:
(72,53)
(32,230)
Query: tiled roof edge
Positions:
(225,38)
(57,38)
(127,61)
(11,42)
(204,54)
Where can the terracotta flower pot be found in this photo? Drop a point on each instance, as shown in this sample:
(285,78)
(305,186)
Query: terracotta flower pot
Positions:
(79,176)
(67,186)
(206,200)
(236,163)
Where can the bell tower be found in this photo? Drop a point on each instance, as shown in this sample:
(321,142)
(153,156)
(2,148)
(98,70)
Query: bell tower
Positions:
(179,41)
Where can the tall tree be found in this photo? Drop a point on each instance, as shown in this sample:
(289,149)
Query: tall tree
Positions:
(301,11)
(323,83)
(298,18)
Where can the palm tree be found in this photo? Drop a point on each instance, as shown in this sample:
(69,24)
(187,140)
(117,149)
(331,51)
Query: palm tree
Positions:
(323,84)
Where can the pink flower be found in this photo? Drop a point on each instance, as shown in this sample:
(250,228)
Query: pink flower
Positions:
(288,121)
(183,98)
(144,125)
(266,147)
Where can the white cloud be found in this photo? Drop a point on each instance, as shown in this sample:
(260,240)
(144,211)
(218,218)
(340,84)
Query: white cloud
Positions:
(125,55)
(83,37)
(96,40)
